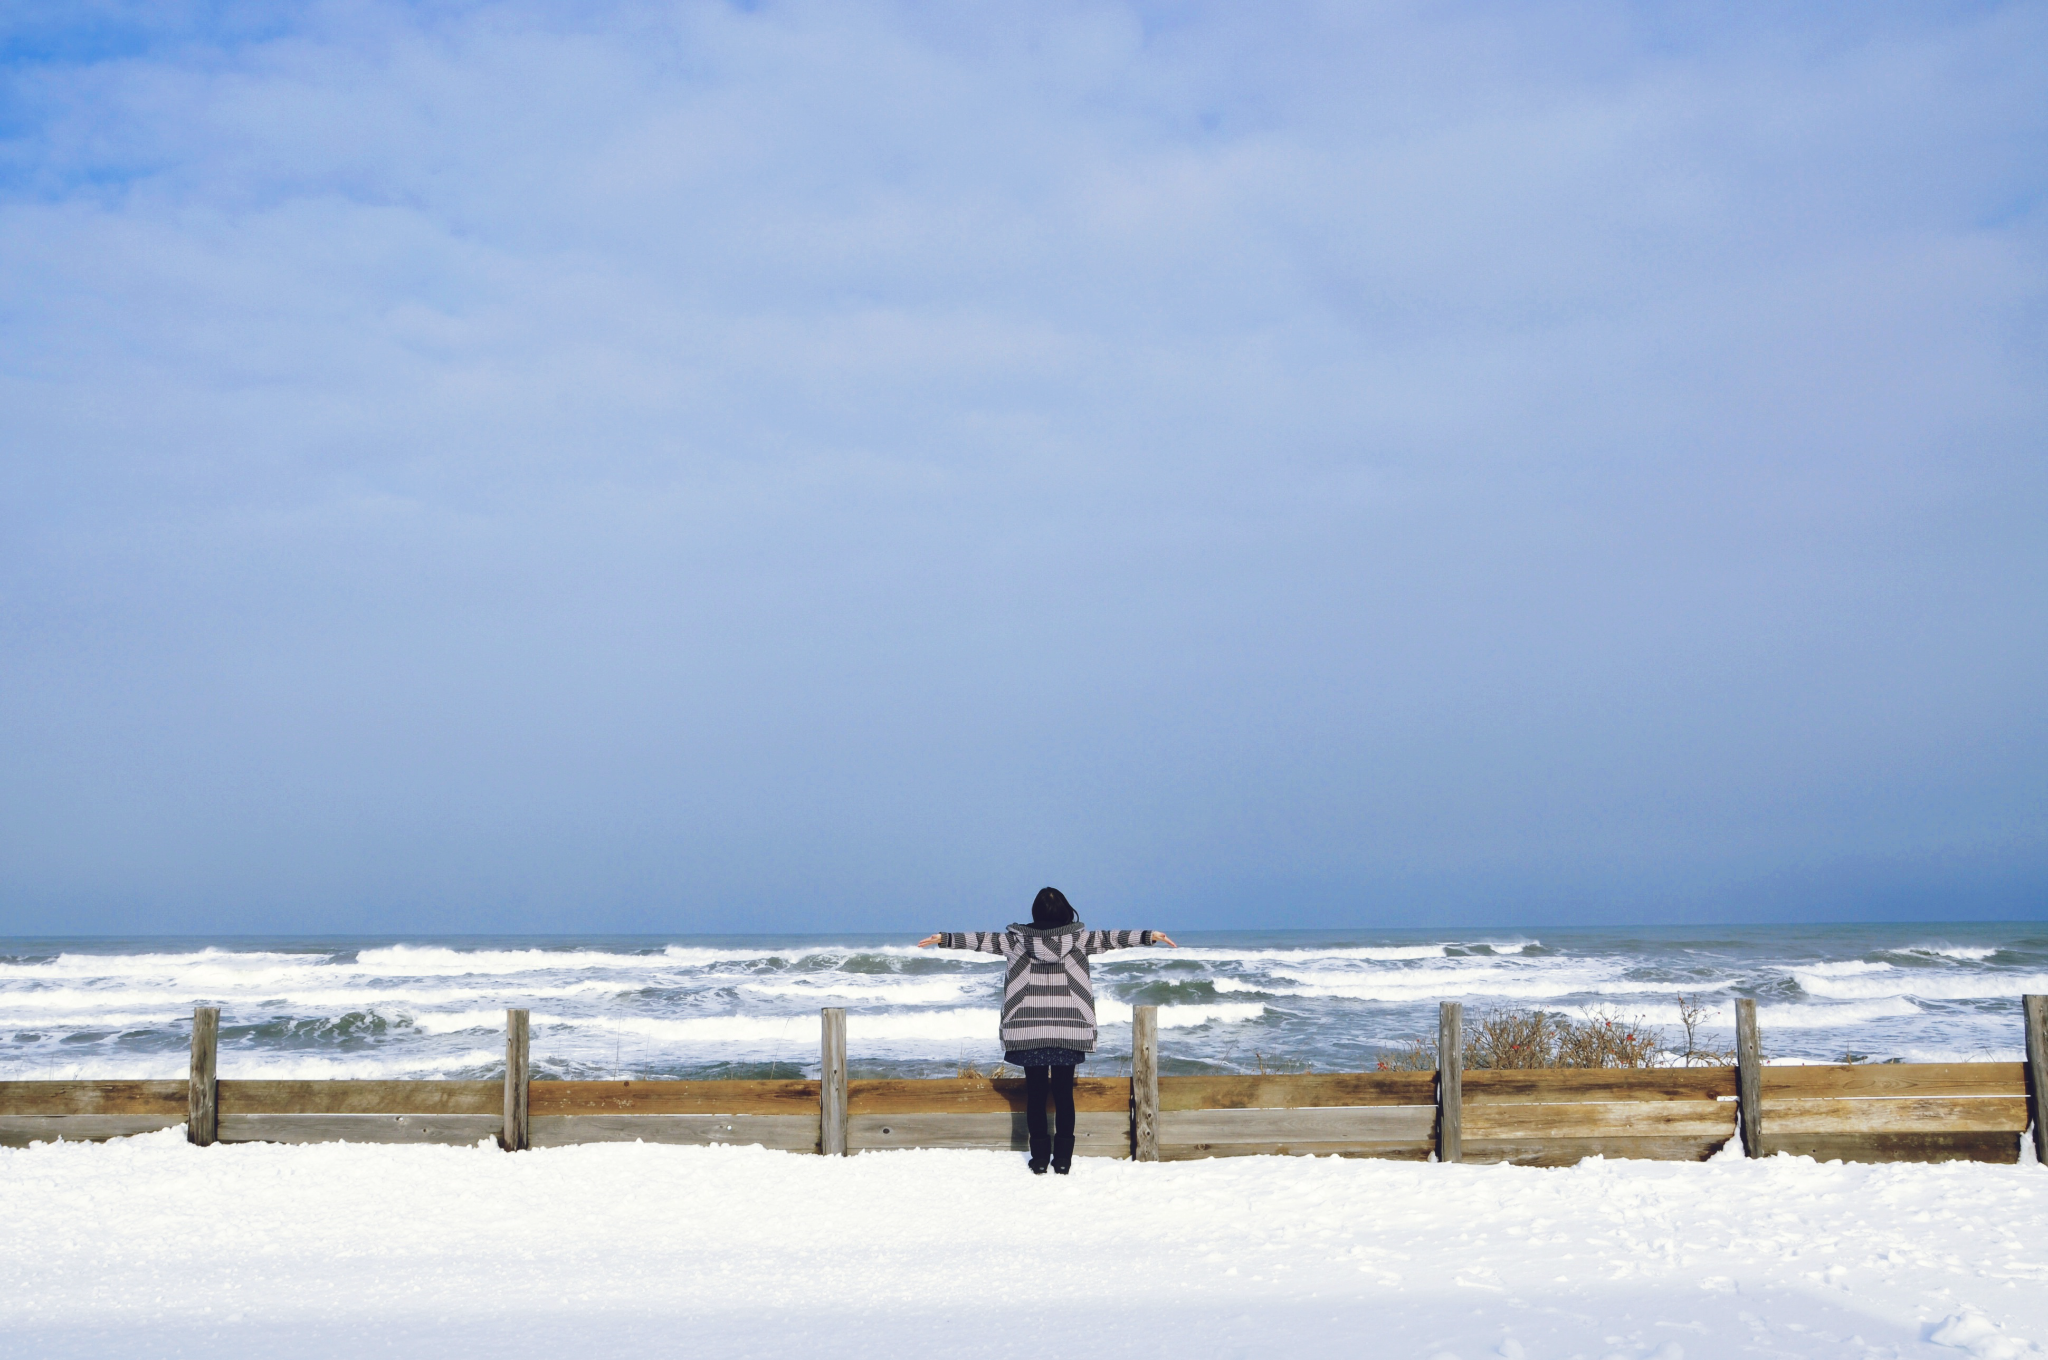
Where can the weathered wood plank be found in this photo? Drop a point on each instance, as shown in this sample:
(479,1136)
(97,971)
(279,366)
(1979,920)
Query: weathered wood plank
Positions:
(518,1078)
(832,1082)
(1350,1124)
(1571,1151)
(1894,1079)
(360,1128)
(1749,1060)
(1297,1091)
(1895,1114)
(1450,1081)
(794,1098)
(1898,1147)
(2034,1009)
(202,1102)
(1392,1152)
(1144,1083)
(780,1132)
(1095,1135)
(19,1130)
(1603,1119)
(976,1095)
(1548,1085)
(37,1099)
(362,1097)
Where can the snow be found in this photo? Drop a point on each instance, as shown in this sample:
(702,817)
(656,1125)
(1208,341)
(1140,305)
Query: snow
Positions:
(149,1246)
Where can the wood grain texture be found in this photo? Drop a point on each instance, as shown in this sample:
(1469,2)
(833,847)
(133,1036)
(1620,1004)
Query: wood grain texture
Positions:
(1450,1083)
(360,1128)
(1548,1085)
(40,1099)
(1894,1079)
(1897,1114)
(1749,1058)
(1144,1083)
(202,1100)
(2034,1009)
(1604,1119)
(795,1098)
(1353,1124)
(1392,1152)
(19,1130)
(1571,1151)
(977,1095)
(362,1097)
(1095,1135)
(1899,1147)
(518,1078)
(1295,1092)
(780,1132)
(832,1092)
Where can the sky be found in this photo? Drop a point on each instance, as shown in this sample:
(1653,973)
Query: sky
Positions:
(708,467)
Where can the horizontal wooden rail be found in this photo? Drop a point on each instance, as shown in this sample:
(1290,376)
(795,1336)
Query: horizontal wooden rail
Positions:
(1290,1092)
(246,1099)
(674,1097)
(1896,1079)
(977,1095)
(1542,1085)
(43,1111)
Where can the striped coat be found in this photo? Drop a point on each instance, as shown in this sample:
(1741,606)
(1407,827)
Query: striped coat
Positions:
(1048,1000)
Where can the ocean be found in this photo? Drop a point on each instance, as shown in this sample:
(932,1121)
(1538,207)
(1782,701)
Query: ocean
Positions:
(747,1006)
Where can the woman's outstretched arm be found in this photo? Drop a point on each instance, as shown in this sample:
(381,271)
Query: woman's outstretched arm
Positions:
(980,941)
(1101,941)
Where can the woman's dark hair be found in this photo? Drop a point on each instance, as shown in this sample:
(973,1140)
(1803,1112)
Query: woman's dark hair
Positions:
(1051,908)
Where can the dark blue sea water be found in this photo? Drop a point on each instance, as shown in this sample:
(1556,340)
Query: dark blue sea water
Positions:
(680,1005)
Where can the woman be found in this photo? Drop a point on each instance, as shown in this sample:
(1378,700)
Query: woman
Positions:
(1048,1008)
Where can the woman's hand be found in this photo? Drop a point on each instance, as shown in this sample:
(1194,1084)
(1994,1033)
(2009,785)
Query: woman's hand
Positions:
(1159,937)
(927,942)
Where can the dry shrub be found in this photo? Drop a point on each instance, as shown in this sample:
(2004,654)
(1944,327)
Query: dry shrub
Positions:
(1510,1039)
(1690,1013)
(996,1073)
(1418,1056)
(1605,1039)
(1282,1067)
(1515,1039)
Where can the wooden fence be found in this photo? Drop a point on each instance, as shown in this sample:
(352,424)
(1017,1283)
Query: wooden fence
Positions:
(1536,1117)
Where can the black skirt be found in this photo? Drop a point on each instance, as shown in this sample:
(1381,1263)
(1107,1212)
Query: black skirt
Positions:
(1045,1057)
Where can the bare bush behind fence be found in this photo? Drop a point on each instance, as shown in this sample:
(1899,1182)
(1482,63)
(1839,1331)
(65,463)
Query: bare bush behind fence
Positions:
(1507,1039)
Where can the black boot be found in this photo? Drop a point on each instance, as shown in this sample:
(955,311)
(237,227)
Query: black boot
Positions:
(1041,1143)
(1063,1154)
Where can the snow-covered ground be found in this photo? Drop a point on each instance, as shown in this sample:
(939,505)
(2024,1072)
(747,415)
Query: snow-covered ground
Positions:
(149,1246)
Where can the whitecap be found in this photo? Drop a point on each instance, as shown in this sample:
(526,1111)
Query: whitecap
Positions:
(1847,968)
(872,988)
(1927,985)
(1815,1016)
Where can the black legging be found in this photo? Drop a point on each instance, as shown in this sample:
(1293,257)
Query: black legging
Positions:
(1058,1080)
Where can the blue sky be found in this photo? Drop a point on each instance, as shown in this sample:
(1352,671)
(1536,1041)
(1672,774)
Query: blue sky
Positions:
(664,467)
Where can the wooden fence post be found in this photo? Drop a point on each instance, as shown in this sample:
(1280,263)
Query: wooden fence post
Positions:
(2036,1009)
(1450,1082)
(202,1119)
(1749,1081)
(518,1078)
(832,1082)
(1144,1083)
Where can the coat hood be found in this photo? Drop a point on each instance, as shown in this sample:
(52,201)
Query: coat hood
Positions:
(1050,943)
